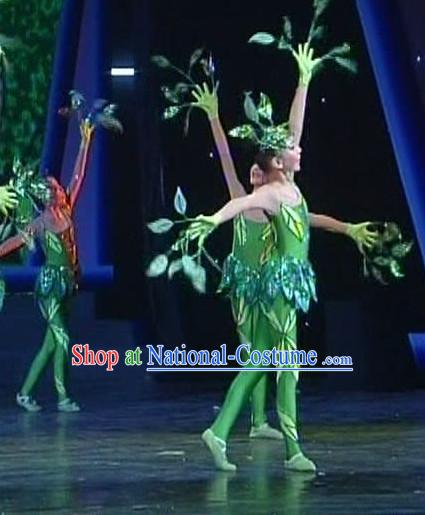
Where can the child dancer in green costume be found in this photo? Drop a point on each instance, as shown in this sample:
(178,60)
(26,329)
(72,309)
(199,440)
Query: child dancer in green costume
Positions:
(253,224)
(57,280)
(268,297)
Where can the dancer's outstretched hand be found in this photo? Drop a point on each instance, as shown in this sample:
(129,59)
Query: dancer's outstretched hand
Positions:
(206,99)
(86,129)
(306,62)
(8,199)
(201,228)
(362,235)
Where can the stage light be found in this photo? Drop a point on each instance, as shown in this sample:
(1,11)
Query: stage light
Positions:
(418,58)
(123,72)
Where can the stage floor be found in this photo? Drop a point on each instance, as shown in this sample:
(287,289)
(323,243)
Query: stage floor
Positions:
(146,457)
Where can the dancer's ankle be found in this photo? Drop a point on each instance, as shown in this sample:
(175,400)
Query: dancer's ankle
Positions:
(218,434)
(292,449)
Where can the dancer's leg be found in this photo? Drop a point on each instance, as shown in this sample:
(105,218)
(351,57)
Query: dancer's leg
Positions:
(39,364)
(244,383)
(259,402)
(60,367)
(286,398)
(237,396)
(259,394)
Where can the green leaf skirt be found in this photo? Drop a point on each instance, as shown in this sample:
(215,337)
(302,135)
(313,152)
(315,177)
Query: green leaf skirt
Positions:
(57,281)
(285,276)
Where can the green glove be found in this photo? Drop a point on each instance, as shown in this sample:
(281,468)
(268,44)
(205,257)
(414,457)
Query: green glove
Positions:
(206,99)
(8,199)
(306,62)
(362,235)
(201,228)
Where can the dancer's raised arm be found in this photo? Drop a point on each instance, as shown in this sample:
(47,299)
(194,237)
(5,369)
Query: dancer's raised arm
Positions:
(207,100)
(306,64)
(81,162)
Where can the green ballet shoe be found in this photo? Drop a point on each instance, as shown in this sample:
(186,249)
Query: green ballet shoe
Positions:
(28,403)
(265,432)
(299,463)
(68,406)
(217,448)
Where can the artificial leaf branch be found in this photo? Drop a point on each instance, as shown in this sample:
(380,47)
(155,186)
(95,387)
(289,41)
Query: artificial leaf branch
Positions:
(180,257)
(340,55)
(101,114)
(384,259)
(179,95)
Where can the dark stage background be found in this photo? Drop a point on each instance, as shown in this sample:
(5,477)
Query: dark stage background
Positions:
(348,171)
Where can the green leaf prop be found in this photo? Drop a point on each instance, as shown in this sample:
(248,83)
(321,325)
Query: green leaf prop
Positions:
(175,266)
(161,61)
(171,112)
(316,33)
(161,225)
(190,264)
(347,64)
(180,94)
(170,95)
(287,29)
(157,266)
(401,249)
(194,58)
(199,280)
(384,259)
(187,121)
(250,108)
(262,38)
(180,203)
(195,272)
(320,6)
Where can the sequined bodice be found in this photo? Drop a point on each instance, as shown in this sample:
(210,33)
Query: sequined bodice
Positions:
(270,260)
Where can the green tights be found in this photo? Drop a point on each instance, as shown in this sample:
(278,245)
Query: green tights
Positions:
(268,331)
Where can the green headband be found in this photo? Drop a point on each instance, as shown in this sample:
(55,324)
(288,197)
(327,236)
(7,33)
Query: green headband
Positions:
(262,132)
